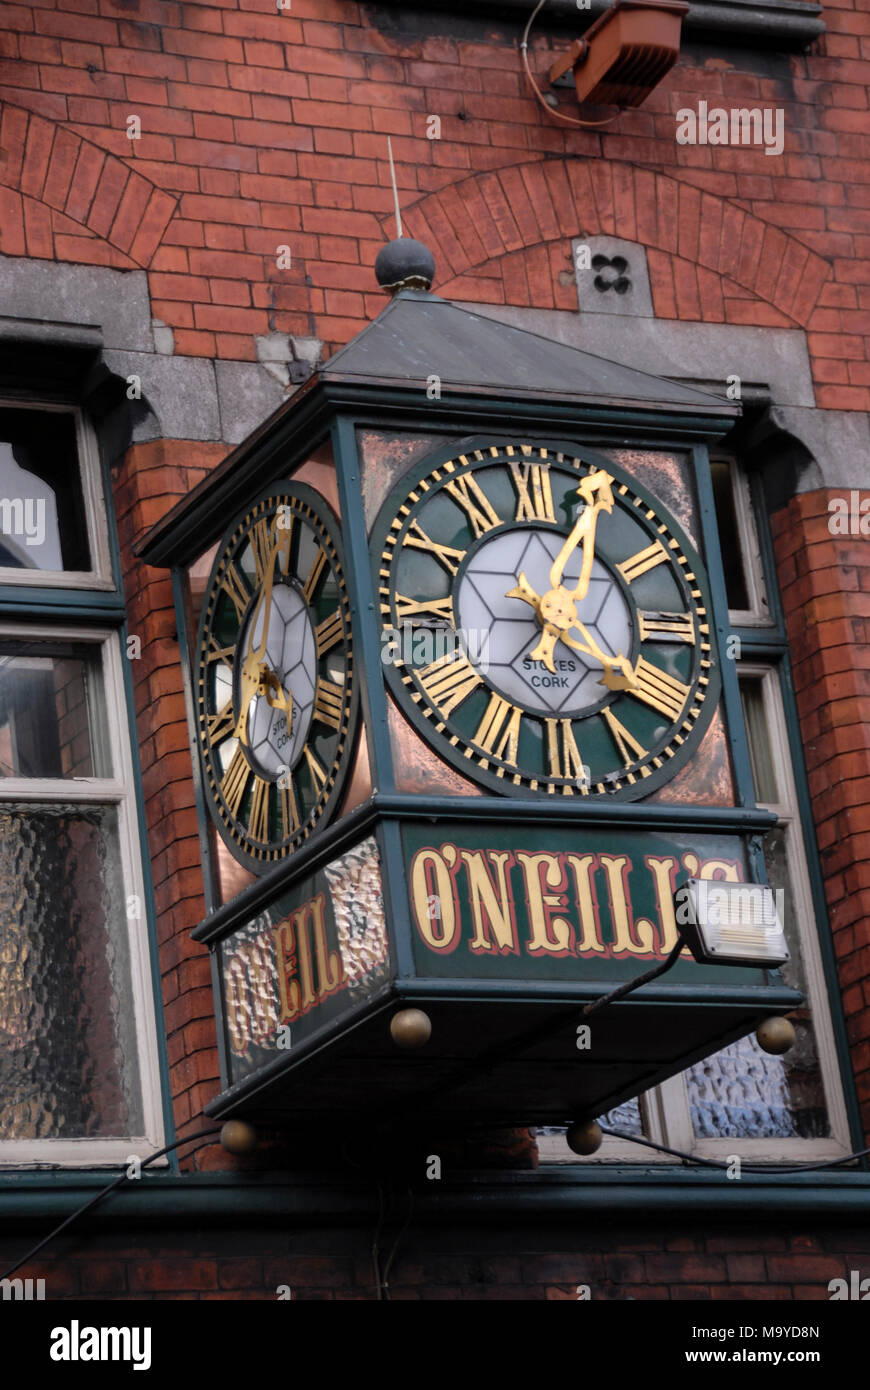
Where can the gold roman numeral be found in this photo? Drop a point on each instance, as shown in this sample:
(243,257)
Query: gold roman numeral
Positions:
(499,730)
(564,756)
(534,497)
(644,560)
(659,690)
(327,633)
(287,806)
(234,782)
(666,627)
(236,589)
(222,723)
(446,555)
(474,502)
(448,681)
(624,741)
(441,608)
(318,773)
(216,653)
(314,576)
(261,548)
(258,825)
(328,702)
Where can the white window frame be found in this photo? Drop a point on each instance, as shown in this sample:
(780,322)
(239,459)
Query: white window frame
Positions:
(118,791)
(99,577)
(758,613)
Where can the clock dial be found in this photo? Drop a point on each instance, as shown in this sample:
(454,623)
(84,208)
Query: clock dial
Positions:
(545,625)
(276,691)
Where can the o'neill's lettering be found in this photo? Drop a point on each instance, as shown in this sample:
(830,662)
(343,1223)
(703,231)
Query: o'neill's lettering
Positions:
(562,900)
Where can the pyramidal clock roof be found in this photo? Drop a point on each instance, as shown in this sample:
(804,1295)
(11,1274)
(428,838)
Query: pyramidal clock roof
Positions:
(418,336)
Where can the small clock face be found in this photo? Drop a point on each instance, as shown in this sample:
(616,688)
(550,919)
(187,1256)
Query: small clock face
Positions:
(276,690)
(545,625)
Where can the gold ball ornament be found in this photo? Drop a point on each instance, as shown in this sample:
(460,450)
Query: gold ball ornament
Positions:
(775,1035)
(238,1137)
(584,1137)
(410,1028)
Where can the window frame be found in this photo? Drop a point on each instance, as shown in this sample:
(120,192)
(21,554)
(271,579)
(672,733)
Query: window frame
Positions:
(99,577)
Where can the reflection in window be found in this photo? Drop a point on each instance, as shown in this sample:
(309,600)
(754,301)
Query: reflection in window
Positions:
(51,711)
(42,514)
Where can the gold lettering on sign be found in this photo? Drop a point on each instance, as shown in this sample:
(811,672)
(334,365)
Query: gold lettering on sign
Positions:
(491,901)
(663,872)
(616,868)
(582,868)
(550,934)
(297,962)
(432,897)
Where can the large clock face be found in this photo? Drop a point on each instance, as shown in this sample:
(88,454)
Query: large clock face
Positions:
(275,688)
(545,624)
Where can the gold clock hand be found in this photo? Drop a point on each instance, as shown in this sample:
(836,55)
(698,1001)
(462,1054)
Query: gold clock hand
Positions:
(596,492)
(250,676)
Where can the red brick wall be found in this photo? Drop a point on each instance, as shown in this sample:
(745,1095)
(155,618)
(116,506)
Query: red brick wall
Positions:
(261,129)
(645,1264)
(825,586)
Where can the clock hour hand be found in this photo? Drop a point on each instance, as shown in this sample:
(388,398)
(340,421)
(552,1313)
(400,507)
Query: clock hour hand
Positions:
(250,676)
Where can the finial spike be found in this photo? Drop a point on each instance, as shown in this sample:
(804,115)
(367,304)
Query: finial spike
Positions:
(399,231)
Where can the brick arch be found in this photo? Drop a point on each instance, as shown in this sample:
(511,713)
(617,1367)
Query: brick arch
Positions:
(501,237)
(65,198)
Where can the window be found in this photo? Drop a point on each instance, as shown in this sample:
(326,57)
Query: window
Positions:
(78,1065)
(742,1100)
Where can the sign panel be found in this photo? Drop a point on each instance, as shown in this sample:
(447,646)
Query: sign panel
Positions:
(316,953)
(559,904)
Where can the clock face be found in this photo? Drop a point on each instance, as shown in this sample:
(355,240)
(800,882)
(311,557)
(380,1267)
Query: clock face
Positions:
(545,625)
(276,691)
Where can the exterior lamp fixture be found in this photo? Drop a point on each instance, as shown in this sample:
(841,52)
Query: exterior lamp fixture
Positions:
(625,53)
(731,923)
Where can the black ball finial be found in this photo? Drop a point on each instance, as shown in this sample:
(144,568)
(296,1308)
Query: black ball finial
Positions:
(404,264)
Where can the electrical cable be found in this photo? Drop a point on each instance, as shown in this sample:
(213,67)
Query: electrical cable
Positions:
(104,1192)
(398,1241)
(744,1167)
(557,115)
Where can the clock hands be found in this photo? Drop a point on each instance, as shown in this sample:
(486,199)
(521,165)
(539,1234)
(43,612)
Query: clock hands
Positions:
(255,677)
(557,608)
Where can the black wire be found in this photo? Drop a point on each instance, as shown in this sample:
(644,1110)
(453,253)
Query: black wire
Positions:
(379,1283)
(398,1240)
(104,1192)
(744,1167)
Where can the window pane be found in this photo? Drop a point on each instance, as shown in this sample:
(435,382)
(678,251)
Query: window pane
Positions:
(729,535)
(40,484)
(52,719)
(758,737)
(68,1066)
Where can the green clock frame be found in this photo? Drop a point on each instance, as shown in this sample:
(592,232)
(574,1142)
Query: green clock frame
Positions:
(622,746)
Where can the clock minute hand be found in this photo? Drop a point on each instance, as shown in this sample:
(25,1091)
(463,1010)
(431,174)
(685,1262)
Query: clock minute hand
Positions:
(598,496)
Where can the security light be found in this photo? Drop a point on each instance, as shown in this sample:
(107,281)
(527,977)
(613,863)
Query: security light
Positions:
(625,53)
(731,923)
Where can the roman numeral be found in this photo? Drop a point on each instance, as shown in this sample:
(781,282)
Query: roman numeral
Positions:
(222,723)
(236,589)
(448,681)
(234,782)
(314,576)
(644,560)
(564,756)
(327,633)
(318,773)
(534,497)
(450,558)
(261,548)
(258,824)
(659,690)
(440,608)
(666,627)
(328,701)
(287,807)
(499,730)
(474,502)
(215,653)
(624,741)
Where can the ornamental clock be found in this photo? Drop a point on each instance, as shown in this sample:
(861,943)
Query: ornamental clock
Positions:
(275,684)
(545,621)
